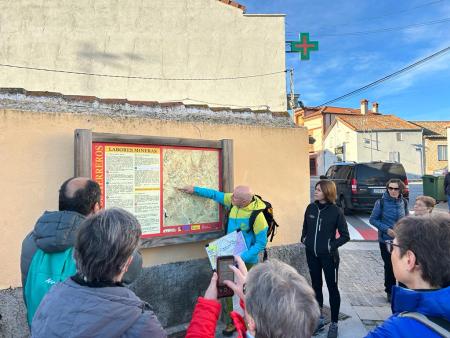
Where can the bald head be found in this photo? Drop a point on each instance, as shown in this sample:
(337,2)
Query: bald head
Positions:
(242,196)
(79,194)
(74,185)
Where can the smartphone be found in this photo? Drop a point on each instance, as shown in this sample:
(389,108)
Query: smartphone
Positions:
(224,272)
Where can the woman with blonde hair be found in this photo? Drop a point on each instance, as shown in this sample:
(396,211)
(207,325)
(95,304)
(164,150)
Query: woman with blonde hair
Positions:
(322,219)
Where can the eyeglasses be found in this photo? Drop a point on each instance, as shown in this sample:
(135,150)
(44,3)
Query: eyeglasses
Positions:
(390,245)
(392,188)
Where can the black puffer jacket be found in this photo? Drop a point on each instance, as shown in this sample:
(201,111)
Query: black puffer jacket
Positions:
(319,228)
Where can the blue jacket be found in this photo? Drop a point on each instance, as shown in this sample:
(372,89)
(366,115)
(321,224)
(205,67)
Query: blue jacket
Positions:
(256,240)
(429,303)
(383,220)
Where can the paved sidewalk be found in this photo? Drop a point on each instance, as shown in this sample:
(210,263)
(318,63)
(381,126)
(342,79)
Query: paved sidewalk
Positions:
(361,283)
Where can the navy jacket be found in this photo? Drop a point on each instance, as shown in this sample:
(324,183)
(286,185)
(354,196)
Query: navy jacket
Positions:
(319,229)
(383,220)
(447,184)
(429,303)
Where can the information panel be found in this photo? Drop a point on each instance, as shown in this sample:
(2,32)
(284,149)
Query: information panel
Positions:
(143,179)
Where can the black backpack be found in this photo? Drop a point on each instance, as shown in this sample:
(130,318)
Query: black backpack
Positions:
(268,215)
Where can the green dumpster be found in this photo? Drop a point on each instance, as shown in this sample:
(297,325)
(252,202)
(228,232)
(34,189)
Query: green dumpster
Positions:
(434,186)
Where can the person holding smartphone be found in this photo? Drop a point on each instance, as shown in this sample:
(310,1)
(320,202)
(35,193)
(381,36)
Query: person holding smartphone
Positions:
(386,212)
(322,219)
(277,302)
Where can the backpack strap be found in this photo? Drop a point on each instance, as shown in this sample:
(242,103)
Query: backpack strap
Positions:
(405,204)
(439,325)
(252,219)
(226,218)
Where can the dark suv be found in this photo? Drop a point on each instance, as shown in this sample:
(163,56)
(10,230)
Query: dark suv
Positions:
(359,185)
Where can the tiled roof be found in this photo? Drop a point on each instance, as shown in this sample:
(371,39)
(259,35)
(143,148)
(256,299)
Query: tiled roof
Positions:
(376,122)
(234,4)
(433,129)
(310,111)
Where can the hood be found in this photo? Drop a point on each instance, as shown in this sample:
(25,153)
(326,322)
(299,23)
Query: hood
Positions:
(94,312)
(256,204)
(435,303)
(55,231)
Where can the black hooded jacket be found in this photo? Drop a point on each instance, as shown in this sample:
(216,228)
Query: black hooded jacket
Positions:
(319,228)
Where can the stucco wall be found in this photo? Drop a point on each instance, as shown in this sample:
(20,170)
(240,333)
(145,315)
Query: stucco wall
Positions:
(431,155)
(155,38)
(410,157)
(315,130)
(37,156)
(340,135)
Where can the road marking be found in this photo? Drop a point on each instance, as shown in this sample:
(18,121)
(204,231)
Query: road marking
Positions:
(360,229)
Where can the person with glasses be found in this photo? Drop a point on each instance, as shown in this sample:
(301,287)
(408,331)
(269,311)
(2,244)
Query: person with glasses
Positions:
(420,254)
(387,211)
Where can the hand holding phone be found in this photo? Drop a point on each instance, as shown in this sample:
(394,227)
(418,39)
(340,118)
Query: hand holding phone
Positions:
(224,272)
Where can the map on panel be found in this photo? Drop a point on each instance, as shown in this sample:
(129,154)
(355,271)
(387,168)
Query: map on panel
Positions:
(183,167)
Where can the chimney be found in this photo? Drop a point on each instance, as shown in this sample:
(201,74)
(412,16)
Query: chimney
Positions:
(364,103)
(375,107)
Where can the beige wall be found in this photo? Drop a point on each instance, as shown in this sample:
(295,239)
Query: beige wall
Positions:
(340,135)
(431,155)
(37,156)
(152,38)
(315,129)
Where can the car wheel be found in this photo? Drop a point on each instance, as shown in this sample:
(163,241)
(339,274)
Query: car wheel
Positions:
(343,206)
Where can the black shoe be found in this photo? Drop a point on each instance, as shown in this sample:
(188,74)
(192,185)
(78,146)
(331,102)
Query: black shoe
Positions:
(333,330)
(229,330)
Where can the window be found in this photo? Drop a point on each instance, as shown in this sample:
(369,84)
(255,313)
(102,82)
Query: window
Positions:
(442,152)
(312,166)
(394,156)
(399,137)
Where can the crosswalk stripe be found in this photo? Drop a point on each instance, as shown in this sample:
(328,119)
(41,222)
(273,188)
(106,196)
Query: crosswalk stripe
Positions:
(354,234)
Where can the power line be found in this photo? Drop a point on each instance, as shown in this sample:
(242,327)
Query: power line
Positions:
(141,77)
(388,14)
(427,23)
(388,77)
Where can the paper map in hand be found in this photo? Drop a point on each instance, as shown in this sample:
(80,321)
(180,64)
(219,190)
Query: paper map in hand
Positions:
(230,244)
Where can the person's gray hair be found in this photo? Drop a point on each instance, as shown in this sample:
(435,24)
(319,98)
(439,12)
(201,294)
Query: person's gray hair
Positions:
(104,243)
(280,301)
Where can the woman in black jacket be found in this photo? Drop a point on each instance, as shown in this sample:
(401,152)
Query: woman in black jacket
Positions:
(322,219)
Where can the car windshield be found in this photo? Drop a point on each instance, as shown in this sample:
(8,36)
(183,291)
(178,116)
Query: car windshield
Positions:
(379,173)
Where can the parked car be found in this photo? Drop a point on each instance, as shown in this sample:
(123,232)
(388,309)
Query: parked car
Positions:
(359,185)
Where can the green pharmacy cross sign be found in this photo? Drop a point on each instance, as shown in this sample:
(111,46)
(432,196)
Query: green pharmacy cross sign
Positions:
(303,46)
